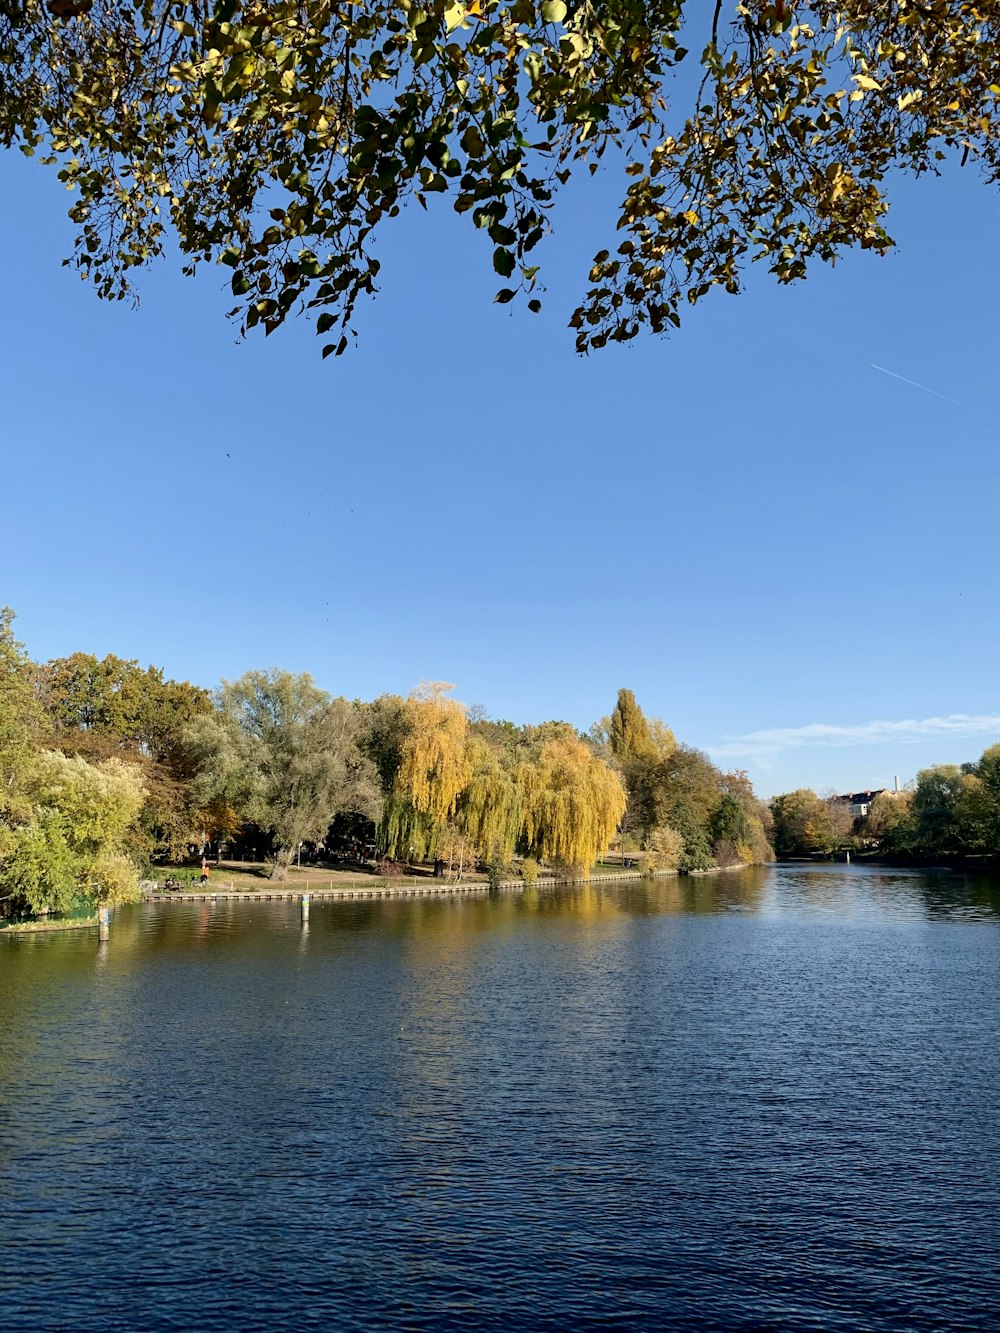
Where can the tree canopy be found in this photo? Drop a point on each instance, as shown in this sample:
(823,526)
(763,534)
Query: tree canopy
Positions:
(284,754)
(279,137)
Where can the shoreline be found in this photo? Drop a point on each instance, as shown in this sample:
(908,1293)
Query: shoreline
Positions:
(44,927)
(340,893)
(429,889)
(358,892)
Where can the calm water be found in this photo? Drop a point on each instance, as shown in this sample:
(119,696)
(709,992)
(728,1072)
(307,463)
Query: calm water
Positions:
(767,1100)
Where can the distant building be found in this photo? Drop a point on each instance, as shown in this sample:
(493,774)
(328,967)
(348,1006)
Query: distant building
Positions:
(859,803)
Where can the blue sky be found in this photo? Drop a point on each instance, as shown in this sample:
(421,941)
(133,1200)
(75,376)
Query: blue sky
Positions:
(785,553)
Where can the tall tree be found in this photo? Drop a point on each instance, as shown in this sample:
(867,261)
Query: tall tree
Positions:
(572,803)
(491,807)
(639,745)
(434,767)
(281,137)
(99,708)
(889,823)
(628,733)
(285,756)
(20,716)
(945,807)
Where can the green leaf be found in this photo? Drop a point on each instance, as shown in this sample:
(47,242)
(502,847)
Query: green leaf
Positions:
(553,11)
(534,305)
(240,284)
(504,295)
(325,321)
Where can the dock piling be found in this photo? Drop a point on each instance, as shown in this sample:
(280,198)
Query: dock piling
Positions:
(103,923)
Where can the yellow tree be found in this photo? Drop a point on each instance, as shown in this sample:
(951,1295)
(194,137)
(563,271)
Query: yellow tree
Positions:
(433,770)
(492,803)
(572,803)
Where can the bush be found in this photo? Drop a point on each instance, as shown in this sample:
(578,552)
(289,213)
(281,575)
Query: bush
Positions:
(529,870)
(665,849)
(498,872)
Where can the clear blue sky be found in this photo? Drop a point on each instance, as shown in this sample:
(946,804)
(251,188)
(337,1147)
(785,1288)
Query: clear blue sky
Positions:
(746,523)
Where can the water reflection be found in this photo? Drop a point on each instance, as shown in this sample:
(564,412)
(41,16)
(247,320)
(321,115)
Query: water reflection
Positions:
(762,1099)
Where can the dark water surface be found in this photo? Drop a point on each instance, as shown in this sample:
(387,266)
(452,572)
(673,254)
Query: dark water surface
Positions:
(766,1100)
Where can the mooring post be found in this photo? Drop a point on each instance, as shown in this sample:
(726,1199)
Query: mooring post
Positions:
(305,908)
(103,923)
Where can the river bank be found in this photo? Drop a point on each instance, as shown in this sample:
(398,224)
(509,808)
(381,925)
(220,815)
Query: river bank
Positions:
(957,864)
(43,925)
(328,889)
(320,890)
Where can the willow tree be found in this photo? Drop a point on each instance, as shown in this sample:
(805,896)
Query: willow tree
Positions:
(434,767)
(491,808)
(281,136)
(573,803)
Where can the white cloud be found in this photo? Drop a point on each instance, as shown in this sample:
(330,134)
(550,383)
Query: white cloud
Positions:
(764,745)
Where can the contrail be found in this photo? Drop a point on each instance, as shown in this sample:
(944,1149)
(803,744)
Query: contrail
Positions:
(917,386)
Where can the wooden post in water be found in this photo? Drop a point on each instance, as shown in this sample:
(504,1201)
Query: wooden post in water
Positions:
(305,909)
(103,923)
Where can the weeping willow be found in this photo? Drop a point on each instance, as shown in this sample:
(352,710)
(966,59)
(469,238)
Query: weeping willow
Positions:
(492,804)
(433,771)
(572,803)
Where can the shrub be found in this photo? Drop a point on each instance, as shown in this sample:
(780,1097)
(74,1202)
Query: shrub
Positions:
(529,870)
(498,872)
(665,849)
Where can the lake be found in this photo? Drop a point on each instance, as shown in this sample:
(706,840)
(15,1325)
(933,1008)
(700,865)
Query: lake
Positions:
(762,1100)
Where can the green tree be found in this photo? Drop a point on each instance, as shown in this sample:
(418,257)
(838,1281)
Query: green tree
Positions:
(281,137)
(981,805)
(639,745)
(73,846)
(889,823)
(684,792)
(20,716)
(799,818)
(946,809)
(284,755)
(100,708)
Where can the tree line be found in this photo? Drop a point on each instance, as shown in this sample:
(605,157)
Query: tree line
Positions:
(949,811)
(107,768)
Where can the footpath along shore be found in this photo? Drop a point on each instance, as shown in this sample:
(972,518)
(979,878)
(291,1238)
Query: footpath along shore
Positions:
(355,890)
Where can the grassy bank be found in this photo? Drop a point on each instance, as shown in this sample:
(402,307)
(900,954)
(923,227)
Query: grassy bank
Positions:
(44,924)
